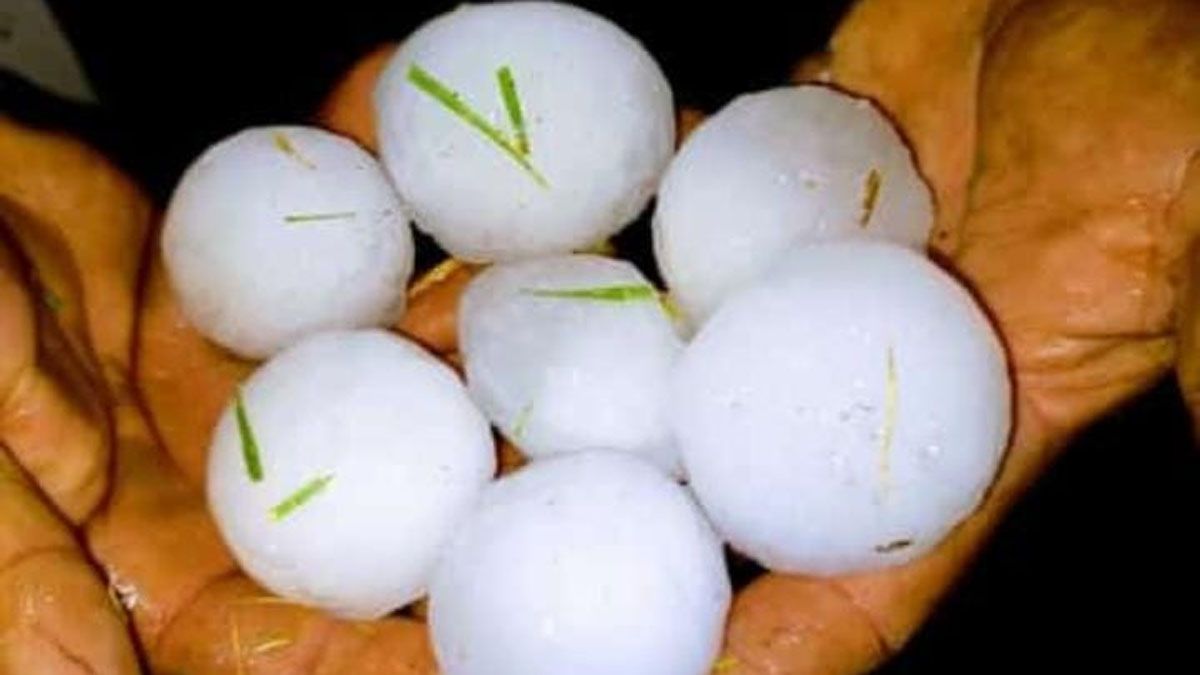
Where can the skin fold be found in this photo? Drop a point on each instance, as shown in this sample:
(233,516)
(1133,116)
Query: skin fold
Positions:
(1066,139)
(59,201)
(1060,138)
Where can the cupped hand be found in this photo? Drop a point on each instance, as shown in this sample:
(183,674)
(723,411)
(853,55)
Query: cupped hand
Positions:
(152,586)
(1061,140)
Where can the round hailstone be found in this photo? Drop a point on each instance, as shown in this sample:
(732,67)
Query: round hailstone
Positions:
(771,169)
(586,563)
(845,412)
(571,353)
(522,129)
(276,233)
(341,473)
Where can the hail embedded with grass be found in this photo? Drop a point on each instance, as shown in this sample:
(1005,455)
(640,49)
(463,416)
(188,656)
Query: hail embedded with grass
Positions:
(341,468)
(774,168)
(276,233)
(522,129)
(607,565)
(569,353)
(845,411)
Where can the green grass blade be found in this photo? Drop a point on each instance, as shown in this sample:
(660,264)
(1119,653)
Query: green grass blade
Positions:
(318,217)
(622,293)
(512,103)
(451,101)
(870,196)
(52,301)
(300,497)
(286,146)
(250,455)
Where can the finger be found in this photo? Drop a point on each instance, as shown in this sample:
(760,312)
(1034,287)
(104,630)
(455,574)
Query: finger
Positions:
(83,224)
(234,626)
(70,221)
(813,68)
(60,438)
(154,536)
(350,109)
(53,431)
(432,314)
(786,624)
(55,613)
(184,380)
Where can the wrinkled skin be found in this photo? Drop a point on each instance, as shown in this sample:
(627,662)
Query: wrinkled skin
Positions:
(154,573)
(58,200)
(1061,139)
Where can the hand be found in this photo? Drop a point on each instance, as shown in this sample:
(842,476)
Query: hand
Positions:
(59,202)
(1061,140)
(1066,199)
(71,256)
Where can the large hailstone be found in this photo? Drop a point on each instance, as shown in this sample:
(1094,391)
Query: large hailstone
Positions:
(342,469)
(586,563)
(845,412)
(571,353)
(522,129)
(774,168)
(276,233)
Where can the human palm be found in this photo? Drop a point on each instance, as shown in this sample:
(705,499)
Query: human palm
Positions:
(1061,139)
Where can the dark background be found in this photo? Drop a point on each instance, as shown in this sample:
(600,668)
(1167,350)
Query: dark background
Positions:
(1096,566)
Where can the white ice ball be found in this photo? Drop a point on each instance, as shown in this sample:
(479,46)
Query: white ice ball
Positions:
(571,353)
(845,412)
(390,450)
(276,233)
(796,164)
(586,563)
(597,109)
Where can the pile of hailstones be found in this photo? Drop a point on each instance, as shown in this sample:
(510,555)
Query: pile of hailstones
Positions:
(815,392)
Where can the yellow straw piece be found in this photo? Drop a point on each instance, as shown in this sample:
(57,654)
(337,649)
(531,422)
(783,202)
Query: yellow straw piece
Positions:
(724,664)
(871,186)
(271,645)
(286,147)
(435,276)
(891,401)
(268,600)
(235,640)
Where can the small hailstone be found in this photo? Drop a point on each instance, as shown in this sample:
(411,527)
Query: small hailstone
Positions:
(776,168)
(276,233)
